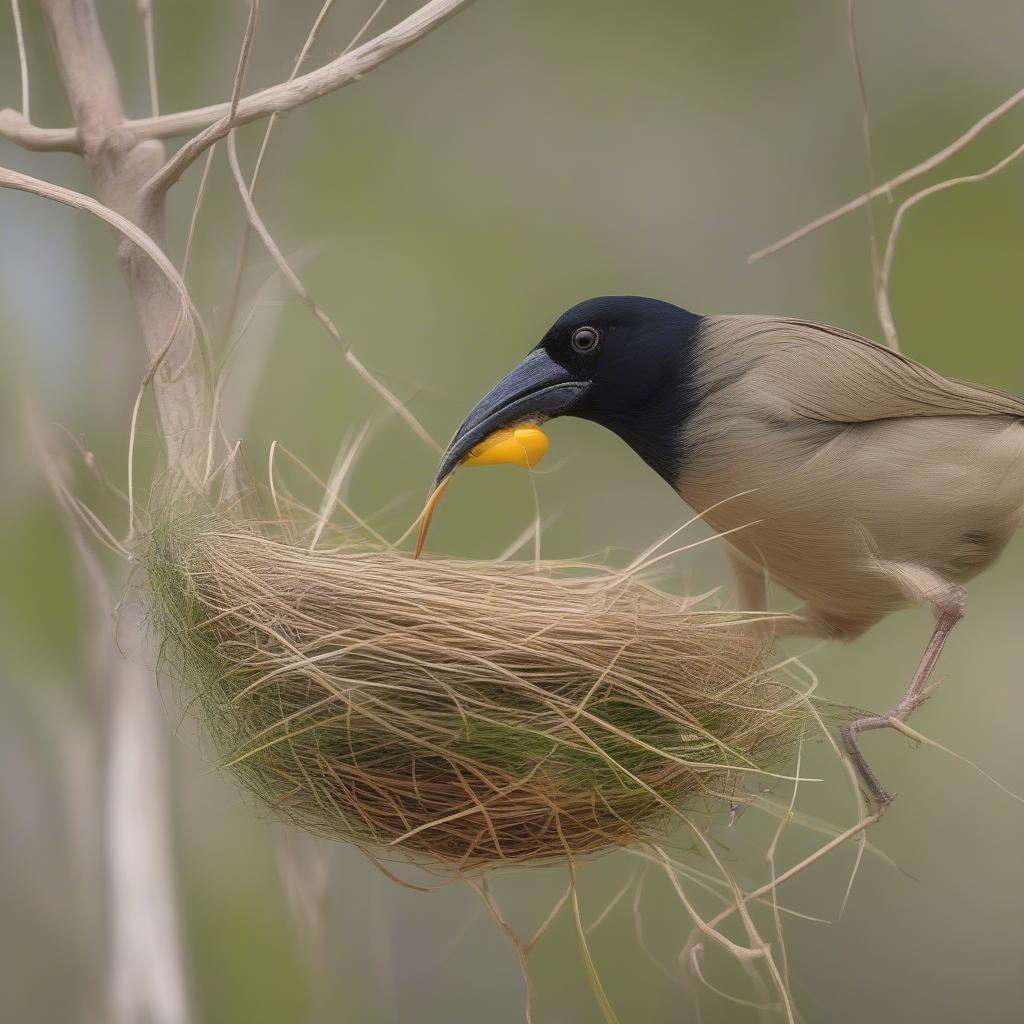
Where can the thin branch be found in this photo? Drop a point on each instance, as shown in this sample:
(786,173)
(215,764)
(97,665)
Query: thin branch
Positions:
(365,27)
(19,36)
(236,93)
(90,83)
(784,820)
(292,278)
(146,965)
(34,186)
(15,127)
(147,379)
(194,222)
(243,247)
(207,346)
(927,741)
(56,473)
(145,9)
(869,158)
(341,71)
(76,200)
(119,164)
(522,950)
(243,59)
(884,304)
(147,973)
(935,160)
(588,961)
(813,858)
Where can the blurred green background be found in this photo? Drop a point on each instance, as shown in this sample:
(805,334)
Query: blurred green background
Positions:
(444,211)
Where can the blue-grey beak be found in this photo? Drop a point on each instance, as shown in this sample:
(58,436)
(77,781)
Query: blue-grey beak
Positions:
(536,390)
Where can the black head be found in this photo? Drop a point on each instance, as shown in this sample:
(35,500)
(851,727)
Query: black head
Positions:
(620,360)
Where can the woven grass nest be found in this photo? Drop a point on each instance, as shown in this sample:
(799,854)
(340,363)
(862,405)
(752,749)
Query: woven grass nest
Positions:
(465,714)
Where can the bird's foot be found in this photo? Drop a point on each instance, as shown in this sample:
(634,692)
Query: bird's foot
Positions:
(878,797)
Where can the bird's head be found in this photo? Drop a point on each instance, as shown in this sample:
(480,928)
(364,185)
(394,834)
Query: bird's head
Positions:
(619,360)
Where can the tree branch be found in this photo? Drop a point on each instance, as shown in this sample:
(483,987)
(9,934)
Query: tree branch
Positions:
(146,968)
(119,165)
(77,201)
(292,278)
(885,273)
(19,37)
(910,174)
(243,248)
(145,9)
(130,176)
(147,973)
(336,74)
(16,128)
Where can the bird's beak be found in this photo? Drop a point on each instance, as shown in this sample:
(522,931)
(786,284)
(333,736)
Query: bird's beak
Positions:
(536,390)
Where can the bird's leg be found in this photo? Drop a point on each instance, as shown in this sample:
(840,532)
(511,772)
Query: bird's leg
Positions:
(948,600)
(921,586)
(752,594)
(750,586)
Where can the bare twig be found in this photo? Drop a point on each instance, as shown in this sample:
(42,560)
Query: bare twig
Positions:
(236,92)
(365,27)
(918,737)
(869,156)
(194,222)
(299,91)
(19,36)
(853,831)
(119,164)
(784,820)
(186,311)
(243,246)
(884,305)
(145,9)
(147,982)
(334,75)
(243,58)
(146,975)
(146,969)
(76,200)
(935,160)
(292,278)
(522,949)
(147,379)
(588,961)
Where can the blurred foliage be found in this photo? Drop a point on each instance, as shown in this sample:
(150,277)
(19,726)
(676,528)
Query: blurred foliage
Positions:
(444,211)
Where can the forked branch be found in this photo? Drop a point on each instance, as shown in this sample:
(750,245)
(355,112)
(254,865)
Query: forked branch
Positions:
(910,174)
(213,123)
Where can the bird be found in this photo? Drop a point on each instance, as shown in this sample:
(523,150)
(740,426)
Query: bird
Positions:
(852,476)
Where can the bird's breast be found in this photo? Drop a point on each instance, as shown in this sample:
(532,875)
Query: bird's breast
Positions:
(818,504)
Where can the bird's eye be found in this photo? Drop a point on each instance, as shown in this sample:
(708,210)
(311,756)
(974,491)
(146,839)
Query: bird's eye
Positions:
(584,339)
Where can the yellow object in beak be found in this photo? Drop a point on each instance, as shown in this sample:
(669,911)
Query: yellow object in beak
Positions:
(518,446)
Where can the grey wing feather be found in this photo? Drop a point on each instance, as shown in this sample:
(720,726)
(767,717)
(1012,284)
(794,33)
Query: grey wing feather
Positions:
(796,369)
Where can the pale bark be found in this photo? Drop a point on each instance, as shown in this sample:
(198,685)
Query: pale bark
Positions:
(296,92)
(120,165)
(131,175)
(147,981)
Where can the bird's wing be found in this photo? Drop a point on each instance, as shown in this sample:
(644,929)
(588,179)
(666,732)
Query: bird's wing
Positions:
(796,369)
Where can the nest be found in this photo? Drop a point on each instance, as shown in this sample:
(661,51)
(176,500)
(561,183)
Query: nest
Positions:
(463,713)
